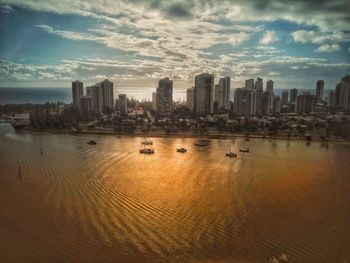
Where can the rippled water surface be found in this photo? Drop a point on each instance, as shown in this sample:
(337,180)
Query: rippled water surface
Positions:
(108,203)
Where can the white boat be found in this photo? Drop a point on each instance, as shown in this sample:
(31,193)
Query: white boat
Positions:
(147,149)
(231,154)
(147,142)
(244,149)
(181,150)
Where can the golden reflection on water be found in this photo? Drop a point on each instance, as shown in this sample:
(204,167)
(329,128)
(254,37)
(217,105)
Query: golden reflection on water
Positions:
(108,203)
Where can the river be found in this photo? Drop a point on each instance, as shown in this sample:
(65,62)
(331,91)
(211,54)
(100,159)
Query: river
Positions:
(109,203)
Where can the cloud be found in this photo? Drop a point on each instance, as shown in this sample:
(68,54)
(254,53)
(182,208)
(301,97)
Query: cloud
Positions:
(328,48)
(304,36)
(268,38)
(6,9)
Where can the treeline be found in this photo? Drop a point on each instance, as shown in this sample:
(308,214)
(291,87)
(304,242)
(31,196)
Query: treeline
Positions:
(17,108)
(53,115)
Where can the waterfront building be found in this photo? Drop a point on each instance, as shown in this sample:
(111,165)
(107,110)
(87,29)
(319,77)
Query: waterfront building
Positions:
(164,97)
(245,101)
(342,94)
(276,104)
(154,101)
(269,86)
(189,98)
(102,97)
(259,84)
(122,104)
(331,98)
(306,103)
(265,103)
(77,92)
(293,96)
(203,94)
(319,89)
(225,89)
(107,94)
(285,95)
(85,103)
(242,101)
(249,84)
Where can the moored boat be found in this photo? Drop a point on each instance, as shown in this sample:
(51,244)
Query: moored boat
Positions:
(181,150)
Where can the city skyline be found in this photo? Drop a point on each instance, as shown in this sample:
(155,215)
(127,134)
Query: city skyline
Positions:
(47,44)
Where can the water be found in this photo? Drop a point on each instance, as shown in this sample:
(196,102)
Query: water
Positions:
(108,203)
(35,95)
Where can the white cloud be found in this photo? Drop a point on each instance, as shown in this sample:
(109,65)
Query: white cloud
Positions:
(328,48)
(304,36)
(268,38)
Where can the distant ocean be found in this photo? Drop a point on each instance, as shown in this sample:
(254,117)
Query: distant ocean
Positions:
(43,95)
(35,95)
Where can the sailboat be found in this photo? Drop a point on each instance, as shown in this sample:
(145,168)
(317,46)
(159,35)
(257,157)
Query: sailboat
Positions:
(146,141)
(231,153)
(146,149)
(244,149)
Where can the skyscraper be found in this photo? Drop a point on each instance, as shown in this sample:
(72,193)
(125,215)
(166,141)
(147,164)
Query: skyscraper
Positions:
(225,88)
(154,101)
(85,102)
(218,95)
(293,96)
(319,89)
(189,98)
(102,97)
(285,95)
(331,98)
(245,101)
(123,104)
(259,84)
(276,104)
(242,101)
(249,84)
(77,92)
(203,94)
(265,103)
(107,94)
(342,96)
(269,86)
(306,103)
(164,97)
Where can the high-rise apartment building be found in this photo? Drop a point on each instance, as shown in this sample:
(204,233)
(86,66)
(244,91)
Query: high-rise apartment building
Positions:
(122,104)
(319,89)
(284,97)
(164,97)
(203,94)
(77,92)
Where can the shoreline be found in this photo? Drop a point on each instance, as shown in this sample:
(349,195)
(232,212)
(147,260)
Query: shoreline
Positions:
(223,136)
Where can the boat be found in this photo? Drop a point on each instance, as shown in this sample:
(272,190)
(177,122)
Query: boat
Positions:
(147,142)
(181,150)
(92,142)
(244,149)
(231,154)
(146,149)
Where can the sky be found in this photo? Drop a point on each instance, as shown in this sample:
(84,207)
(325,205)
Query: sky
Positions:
(134,43)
